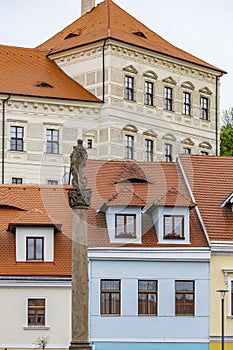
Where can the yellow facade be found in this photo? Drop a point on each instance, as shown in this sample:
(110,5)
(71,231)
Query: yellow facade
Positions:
(219,280)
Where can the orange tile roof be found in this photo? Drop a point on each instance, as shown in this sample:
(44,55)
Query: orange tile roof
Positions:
(29,72)
(211,181)
(49,205)
(108,20)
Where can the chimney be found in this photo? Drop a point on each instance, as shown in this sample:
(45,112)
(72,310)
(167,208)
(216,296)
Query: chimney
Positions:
(87,6)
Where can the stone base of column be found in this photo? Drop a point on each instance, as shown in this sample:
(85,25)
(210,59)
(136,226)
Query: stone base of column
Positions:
(80,346)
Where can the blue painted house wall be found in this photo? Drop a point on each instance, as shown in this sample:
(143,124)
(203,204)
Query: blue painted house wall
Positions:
(163,332)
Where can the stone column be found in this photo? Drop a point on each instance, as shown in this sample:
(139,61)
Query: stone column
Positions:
(79,200)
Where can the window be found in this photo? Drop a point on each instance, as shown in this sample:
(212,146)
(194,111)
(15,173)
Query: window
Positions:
(125,225)
(52,138)
(89,143)
(168,152)
(204,108)
(35,248)
(36,312)
(173,227)
(204,153)
(187,150)
(168,98)
(129,140)
(149,92)
(184,298)
(147,298)
(52,182)
(110,297)
(149,150)
(17,180)
(129,88)
(186,103)
(16,142)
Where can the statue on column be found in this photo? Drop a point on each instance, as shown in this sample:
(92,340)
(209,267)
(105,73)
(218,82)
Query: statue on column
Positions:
(79,195)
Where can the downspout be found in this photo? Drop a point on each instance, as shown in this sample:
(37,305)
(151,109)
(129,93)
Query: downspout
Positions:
(103,67)
(216,114)
(3,136)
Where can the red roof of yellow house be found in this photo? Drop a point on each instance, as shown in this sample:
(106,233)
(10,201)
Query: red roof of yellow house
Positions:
(211,181)
(108,20)
(29,72)
(48,205)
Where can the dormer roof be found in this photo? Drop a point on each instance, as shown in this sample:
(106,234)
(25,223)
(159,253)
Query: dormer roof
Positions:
(108,20)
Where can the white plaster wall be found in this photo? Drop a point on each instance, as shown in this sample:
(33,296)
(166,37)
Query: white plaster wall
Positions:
(13,303)
(110,218)
(31,231)
(158,219)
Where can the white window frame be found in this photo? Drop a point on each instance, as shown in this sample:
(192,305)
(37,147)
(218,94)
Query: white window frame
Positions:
(44,327)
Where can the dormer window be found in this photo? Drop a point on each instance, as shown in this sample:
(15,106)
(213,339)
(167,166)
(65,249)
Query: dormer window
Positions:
(35,248)
(125,225)
(173,227)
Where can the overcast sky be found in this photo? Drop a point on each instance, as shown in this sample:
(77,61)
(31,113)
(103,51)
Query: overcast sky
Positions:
(201,27)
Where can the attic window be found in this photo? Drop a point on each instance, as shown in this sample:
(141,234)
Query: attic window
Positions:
(139,33)
(133,181)
(73,34)
(44,84)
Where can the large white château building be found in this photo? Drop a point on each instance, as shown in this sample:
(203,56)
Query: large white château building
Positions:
(110,80)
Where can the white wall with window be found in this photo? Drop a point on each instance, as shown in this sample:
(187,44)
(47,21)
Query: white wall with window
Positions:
(172,224)
(124,224)
(34,243)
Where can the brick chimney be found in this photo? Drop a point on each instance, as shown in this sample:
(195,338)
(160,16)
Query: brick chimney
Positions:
(87,5)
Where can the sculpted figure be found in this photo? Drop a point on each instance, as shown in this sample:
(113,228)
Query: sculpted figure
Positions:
(77,163)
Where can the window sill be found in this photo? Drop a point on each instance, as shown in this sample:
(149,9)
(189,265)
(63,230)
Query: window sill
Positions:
(126,236)
(28,328)
(147,315)
(110,315)
(174,238)
(39,261)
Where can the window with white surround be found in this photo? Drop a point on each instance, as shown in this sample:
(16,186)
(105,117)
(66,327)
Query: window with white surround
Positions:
(52,141)
(35,248)
(149,146)
(129,88)
(36,312)
(124,224)
(34,244)
(16,138)
(129,146)
(172,224)
(149,93)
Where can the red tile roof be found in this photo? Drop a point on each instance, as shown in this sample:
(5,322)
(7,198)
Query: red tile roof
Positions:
(50,204)
(211,181)
(29,72)
(108,20)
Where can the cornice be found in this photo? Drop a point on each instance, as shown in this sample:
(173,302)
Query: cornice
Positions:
(150,254)
(123,50)
(49,107)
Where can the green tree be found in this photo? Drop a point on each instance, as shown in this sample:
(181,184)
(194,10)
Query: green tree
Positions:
(226,134)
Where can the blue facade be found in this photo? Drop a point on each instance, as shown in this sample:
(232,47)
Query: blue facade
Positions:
(131,331)
(151,346)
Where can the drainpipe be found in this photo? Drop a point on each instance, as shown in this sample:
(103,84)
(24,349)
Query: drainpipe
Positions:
(216,115)
(3,136)
(103,67)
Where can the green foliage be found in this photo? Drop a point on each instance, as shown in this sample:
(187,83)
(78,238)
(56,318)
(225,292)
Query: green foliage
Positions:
(226,135)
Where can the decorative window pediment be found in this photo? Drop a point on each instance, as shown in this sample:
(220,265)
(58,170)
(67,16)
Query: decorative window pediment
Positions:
(169,80)
(205,91)
(150,74)
(188,85)
(130,128)
(205,145)
(169,137)
(150,133)
(188,142)
(130,69)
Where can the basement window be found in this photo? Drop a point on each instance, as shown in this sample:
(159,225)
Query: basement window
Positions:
(139,33)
